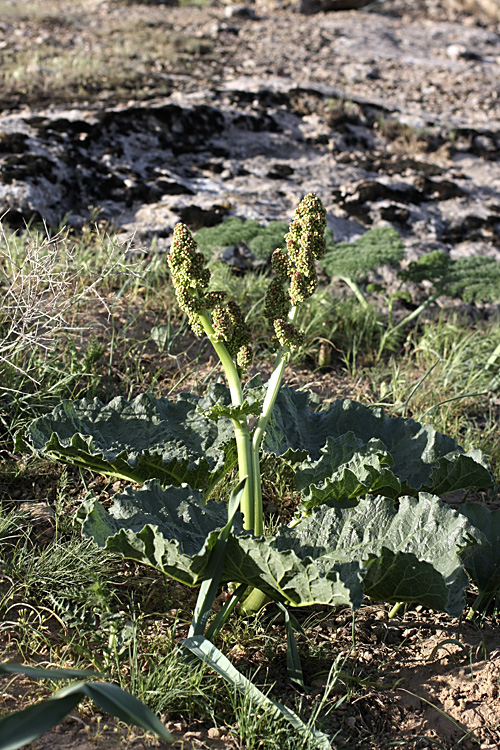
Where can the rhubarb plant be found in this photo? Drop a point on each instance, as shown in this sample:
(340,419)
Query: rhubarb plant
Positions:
(370,522)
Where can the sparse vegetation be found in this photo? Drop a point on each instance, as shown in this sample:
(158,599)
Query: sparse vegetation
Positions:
(115,632)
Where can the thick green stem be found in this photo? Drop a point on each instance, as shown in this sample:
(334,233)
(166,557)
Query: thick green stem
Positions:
(241,428)
(477,604)
(232,376)
(395,610)
(258,511)
(246,469)
(256,599)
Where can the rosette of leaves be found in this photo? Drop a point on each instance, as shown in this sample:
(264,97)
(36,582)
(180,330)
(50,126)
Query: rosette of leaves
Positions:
(356,468)
(370,521)
(473,280)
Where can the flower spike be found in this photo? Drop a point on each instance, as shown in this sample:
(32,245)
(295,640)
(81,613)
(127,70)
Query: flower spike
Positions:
(191,278)
(305,243)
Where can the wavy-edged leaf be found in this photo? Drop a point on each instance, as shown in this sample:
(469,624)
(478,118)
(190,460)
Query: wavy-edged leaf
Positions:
(483,562)
(418,554)
(290,575)
(147,438)
(172,530)
(423,459)
(347,469)
(410,552)
(169,529)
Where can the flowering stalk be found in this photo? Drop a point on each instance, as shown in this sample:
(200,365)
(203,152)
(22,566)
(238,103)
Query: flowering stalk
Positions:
(226,329)
(222,321)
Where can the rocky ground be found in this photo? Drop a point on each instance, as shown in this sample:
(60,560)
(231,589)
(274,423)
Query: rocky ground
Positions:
(391,113)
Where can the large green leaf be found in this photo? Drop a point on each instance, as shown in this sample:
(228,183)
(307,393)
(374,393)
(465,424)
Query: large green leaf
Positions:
(422,459)
(418,554)
(170,529)
(290,574)
(347,469)
(146,438)
(173,531)
(411,551)
(408,552)
(483,562)
(475,280)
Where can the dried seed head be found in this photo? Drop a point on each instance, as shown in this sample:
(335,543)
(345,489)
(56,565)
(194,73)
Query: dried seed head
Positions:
(244,357)
(211,299)
(280,264)
(241,333)
(222,323)
(305,243)
(189,275)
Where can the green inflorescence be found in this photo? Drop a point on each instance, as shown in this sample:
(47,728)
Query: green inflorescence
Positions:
(295,281)
(191,278)
(305,243)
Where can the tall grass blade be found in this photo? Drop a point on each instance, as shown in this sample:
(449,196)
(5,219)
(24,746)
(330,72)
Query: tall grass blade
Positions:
(25,726)
(43,673)
(293,664)
(208,653)
(222,615)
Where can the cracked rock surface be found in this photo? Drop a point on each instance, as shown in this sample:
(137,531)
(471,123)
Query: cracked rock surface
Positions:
(390,113)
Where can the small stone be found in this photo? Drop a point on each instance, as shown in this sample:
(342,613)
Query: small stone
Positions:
(359,72)
(193,736)
(455,51)
(461,52)
(240,11)
(214,733)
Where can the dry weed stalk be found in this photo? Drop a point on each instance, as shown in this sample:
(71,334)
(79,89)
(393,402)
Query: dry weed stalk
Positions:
(40,292)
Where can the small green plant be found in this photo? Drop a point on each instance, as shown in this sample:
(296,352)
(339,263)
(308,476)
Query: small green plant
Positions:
(369,521)
(469,279)
(260,240)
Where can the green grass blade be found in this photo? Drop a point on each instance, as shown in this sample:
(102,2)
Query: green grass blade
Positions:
(23,727)
(208,653)
(125,706)
(293,664)
(45,673)
(222,615)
